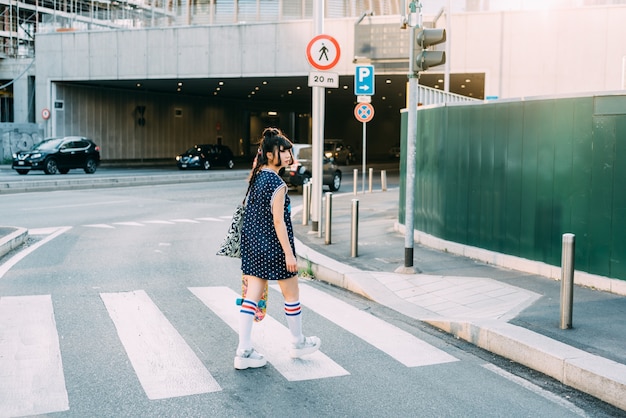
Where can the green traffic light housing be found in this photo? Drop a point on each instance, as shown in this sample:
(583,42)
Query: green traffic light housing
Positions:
(423,39)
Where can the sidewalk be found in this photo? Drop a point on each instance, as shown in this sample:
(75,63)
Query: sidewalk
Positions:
(513,314)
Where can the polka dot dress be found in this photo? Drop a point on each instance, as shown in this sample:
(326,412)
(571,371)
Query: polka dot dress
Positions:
(261,253)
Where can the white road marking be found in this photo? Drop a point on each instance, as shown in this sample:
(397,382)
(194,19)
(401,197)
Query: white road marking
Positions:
(210,219)
(165,365)
(270,338)
(536,389)
(190,221)
(99,226)
(19,256)
(402,346)
(32,380)
(128,223)
(159,222)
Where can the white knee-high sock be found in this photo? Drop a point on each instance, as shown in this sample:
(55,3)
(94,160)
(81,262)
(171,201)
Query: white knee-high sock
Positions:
(293,312)
(246,318)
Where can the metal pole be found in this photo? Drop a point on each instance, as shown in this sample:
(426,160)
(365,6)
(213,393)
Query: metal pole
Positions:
(317,116)
(567,280)
(329,214)
(356,179)
(411,139)
(383,180)
(364,155)
(306,195)
(354,229)
(371,178)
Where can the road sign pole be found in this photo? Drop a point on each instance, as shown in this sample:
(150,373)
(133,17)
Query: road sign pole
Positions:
(317,115)
(364,156)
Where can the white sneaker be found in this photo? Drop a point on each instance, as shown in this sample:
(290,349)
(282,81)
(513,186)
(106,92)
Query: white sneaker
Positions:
(249,359)
(308,345)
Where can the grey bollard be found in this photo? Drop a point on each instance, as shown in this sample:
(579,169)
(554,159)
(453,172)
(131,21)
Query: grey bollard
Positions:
(383,180)
(567,280)
(306,207)
(371,178)
(355,176)
(329,214)
(354,229)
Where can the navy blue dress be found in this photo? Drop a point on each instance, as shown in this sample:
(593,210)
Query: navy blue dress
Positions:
(261,253)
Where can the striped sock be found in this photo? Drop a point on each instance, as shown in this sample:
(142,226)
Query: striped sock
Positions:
(246,318)
(294,320)
(248,307)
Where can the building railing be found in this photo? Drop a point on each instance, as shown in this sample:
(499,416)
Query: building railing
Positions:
(429,96)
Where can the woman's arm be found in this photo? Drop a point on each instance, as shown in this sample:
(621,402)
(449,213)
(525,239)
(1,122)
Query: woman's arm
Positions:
(278,208)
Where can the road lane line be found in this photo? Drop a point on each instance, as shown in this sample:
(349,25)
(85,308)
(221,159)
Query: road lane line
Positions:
(31,370)
(402,346)
(19,256)
(165,365)
(270,338)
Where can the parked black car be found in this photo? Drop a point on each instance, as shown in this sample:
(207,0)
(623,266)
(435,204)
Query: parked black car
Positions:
(300,172)
(205,156)
(59,155)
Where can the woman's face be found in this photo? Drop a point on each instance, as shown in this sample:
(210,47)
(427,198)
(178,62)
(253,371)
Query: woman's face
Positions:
(281,157)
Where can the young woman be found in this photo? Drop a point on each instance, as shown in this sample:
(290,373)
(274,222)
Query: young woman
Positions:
(268,251)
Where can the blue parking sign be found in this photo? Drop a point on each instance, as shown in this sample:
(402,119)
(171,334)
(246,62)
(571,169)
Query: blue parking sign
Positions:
(364,80)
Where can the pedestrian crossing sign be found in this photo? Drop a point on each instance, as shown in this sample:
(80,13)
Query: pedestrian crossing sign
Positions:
(323,52)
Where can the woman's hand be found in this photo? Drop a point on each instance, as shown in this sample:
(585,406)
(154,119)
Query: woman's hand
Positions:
(291,263)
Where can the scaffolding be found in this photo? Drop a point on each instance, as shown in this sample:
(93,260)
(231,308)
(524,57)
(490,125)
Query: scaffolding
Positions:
(22,20)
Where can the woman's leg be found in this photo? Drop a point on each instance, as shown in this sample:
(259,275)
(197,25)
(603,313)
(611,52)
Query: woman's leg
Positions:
(291,293)
(300,345)
(254,292)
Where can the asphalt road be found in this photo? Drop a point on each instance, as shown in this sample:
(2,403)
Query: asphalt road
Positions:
(142,323)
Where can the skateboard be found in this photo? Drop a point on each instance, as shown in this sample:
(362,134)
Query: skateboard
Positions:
(261,306)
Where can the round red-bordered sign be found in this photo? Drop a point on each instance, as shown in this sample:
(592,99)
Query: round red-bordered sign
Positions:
(323,52)
(364,112)
(45,114)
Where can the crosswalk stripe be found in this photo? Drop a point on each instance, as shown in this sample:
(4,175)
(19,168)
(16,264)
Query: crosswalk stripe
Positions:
(30,358)
(399,344)
(165,365)
(270,338)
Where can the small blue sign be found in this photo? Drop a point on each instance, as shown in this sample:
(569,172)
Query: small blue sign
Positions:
(364,80)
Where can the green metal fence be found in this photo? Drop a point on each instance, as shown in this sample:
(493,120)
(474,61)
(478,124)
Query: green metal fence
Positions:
(512,177)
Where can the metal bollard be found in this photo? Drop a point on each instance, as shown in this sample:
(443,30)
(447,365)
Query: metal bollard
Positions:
(354,229)
(371,178)
(383,180)
(567,280)
(329,215)
(306,207)
(355,176)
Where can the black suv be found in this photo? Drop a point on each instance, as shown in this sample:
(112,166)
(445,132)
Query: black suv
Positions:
(59,155)
(205,156)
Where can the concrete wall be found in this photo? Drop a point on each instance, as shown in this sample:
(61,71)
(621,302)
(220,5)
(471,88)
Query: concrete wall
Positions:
(536,53)
(18,137)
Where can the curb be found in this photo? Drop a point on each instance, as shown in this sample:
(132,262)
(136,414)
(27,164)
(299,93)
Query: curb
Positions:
(597,376)
(107,182)
(12,240)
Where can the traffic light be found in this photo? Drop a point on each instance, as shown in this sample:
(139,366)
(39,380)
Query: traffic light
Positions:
(422,40)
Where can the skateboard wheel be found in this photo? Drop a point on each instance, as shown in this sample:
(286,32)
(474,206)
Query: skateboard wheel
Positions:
(239,301)
(261,304)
